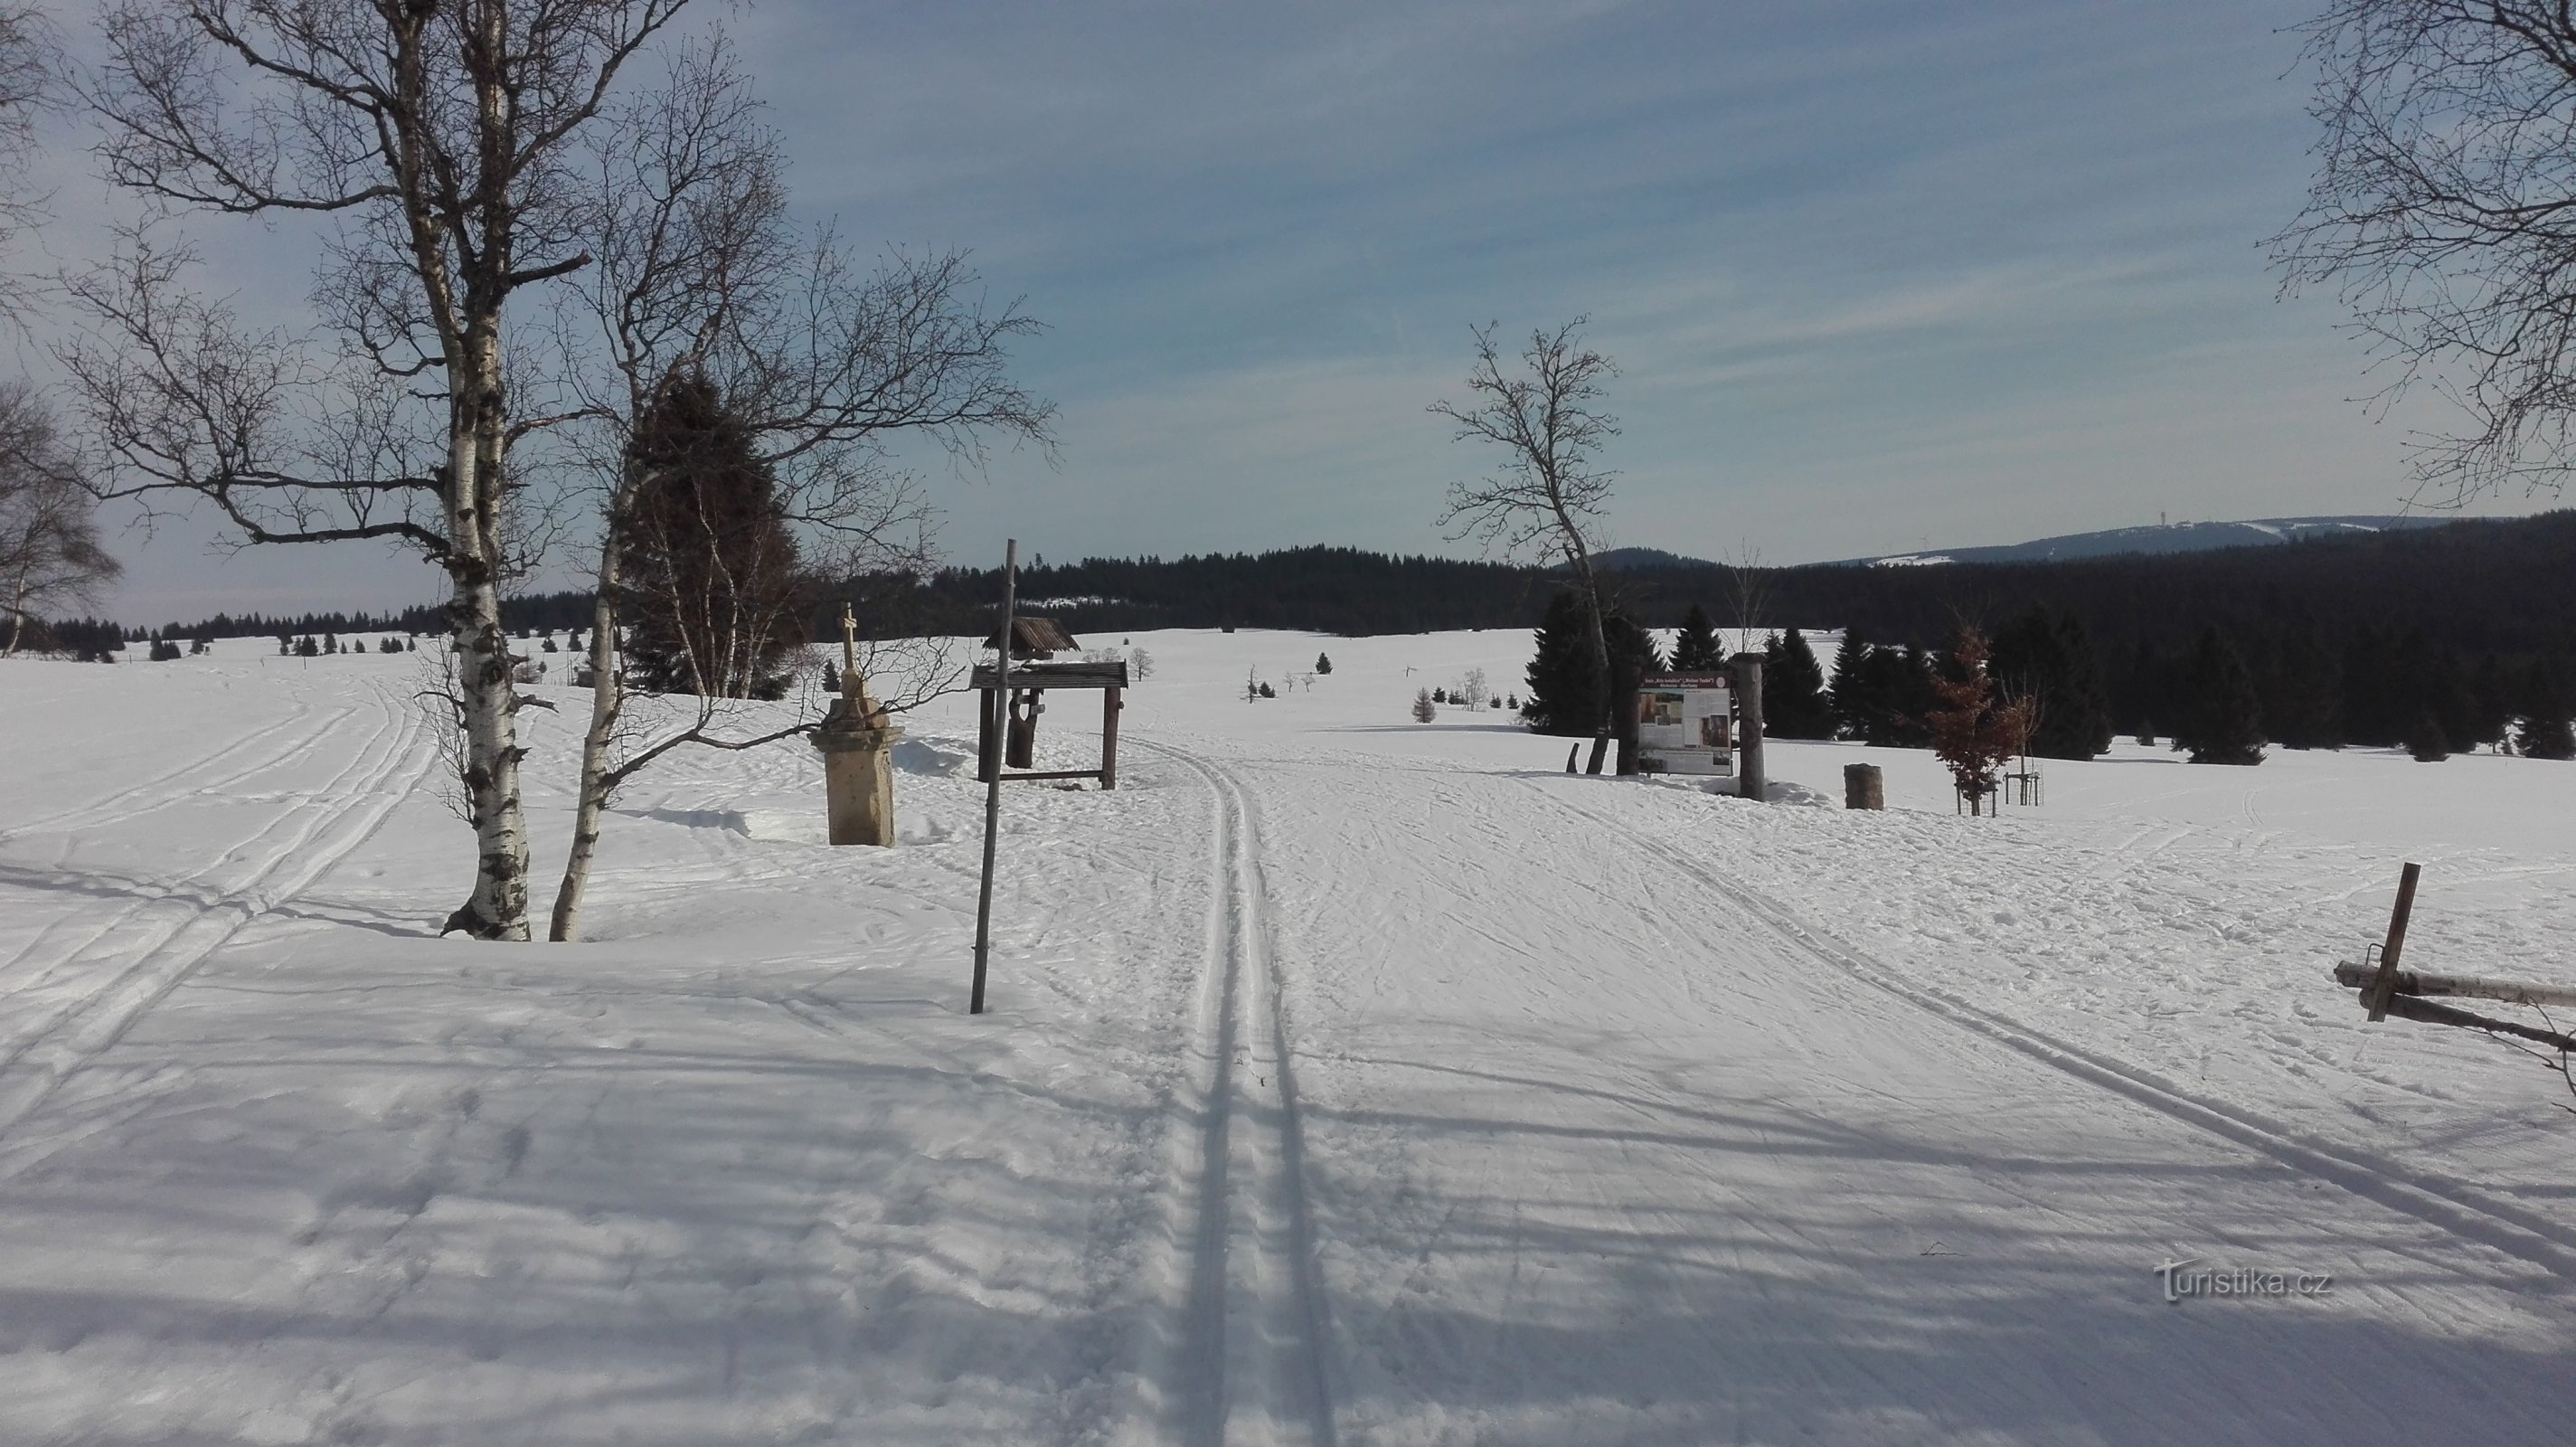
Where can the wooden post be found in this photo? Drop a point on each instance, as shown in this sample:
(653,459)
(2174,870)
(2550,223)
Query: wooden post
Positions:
(1748,700)
(993,785)
(1863,787)
(988,738)
(2384,983)
(1026,705)
(1111,705)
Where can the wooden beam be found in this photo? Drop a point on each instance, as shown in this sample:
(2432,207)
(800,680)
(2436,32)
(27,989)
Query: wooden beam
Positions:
(2467,987)
(1053,675)
(1059,774)
(2407,1007)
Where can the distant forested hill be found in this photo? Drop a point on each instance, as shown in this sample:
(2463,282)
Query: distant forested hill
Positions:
(2475,586)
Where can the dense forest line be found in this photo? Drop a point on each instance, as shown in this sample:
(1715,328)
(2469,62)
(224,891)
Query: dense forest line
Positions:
(2347,639)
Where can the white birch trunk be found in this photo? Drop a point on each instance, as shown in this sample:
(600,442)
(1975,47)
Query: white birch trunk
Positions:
(607,701)
(486,694)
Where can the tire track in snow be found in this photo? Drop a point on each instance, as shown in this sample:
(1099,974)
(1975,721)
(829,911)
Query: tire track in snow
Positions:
(1239,1357)
(2451,1207)
(344,815)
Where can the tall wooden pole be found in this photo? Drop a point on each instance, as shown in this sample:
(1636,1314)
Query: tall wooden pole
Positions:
(993,786)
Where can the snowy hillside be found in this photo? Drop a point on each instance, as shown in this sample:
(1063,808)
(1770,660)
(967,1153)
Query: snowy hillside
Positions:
(2161,538)
(1350,1080)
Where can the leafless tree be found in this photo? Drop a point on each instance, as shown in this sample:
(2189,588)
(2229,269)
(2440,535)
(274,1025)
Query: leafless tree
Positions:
(2444,213)
(437,141)
(1748,588)
(824,361)
(49,547)
(1547,498)
(30,62)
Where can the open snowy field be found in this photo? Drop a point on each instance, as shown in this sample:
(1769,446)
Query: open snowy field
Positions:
(1349,1081)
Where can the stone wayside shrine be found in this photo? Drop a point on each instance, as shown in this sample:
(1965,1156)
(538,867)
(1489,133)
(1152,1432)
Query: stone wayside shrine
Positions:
(858,745)
(1017,716)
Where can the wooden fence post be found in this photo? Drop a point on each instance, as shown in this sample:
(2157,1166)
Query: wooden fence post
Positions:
(2385,982)
(1111,706)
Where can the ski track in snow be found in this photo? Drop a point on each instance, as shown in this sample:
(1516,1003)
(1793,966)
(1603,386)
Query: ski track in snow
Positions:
(159,790)
(186,921)
(2451,1206)
(1244,1362)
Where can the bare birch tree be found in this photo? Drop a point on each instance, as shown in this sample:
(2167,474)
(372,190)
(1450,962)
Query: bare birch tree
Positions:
(2444,213)
(436,138)
(701,274)
(1548,496)
(49,546)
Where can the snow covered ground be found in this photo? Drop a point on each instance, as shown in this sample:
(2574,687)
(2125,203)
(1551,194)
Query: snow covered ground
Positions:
(1350,1080)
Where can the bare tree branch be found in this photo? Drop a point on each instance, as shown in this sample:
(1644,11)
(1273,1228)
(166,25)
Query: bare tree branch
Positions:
(2443,213)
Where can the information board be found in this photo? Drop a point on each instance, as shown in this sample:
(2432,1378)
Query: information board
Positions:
(1686,724)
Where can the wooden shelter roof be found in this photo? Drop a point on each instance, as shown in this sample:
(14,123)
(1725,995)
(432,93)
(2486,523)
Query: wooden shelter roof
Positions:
(1034,638)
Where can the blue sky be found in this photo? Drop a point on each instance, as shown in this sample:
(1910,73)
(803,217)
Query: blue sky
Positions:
(1878,275)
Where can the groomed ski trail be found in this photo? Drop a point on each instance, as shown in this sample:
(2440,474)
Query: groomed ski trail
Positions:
(311,837)
(1237,1354)
(2450,1206)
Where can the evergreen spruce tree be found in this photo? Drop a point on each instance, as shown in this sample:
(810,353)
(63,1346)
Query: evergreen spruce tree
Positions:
(1697,649)
(1560,674)
(709,570)
(2222,717)
(1912,699)
(1849,695)
(2048,658)
(2303,694)
(831,677)
(2427,741)
(2374,699)
(2491,695)
(1794,705)
(2545,731)
(1323,663)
